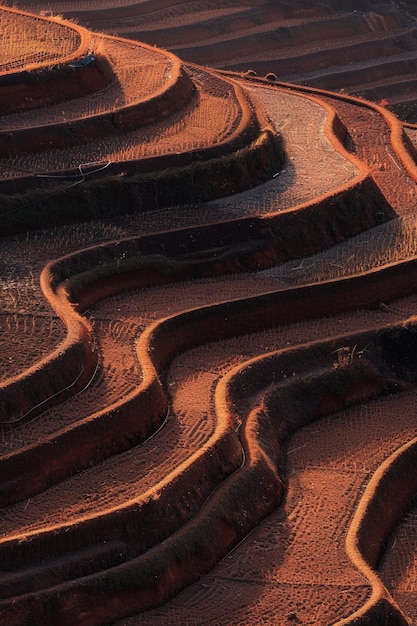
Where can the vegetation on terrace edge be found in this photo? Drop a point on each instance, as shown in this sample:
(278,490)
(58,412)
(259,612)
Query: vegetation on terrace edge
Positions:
(105,568)
(30,43)
(249,153)
(372,43)
(197,182)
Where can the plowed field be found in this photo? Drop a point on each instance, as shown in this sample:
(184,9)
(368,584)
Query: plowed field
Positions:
(208,372)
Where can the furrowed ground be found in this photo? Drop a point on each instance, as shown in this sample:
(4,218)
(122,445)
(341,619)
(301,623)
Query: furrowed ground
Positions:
(208,372)
(361,47)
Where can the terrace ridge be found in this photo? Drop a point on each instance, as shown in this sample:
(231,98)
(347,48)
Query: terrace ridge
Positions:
(198,339)
(53,80)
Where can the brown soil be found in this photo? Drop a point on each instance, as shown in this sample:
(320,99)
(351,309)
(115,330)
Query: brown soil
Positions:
(45,61)
(45,42)
(207,409)
(363,47)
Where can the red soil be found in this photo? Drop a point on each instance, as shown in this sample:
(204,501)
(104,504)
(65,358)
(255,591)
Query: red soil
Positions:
(180,380)
(364,47)
(173,119)
(38,74)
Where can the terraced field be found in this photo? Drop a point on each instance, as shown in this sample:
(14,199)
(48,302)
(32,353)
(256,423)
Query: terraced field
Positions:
(208,373)
(63,42)
(363,47)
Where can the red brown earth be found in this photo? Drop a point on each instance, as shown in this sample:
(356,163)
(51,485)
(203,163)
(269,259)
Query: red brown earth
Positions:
(361,47)
(208,363)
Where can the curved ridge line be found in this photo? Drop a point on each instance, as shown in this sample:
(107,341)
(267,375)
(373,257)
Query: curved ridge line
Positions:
(221,510)
(149,342)
(335,131)
(402,461)
(257,463)
(84,36)
(400,146)
(175,76)
(380,605)
(296,290)
(79,339)
(291,211)
(178,91)
(317,288)
(258,138)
